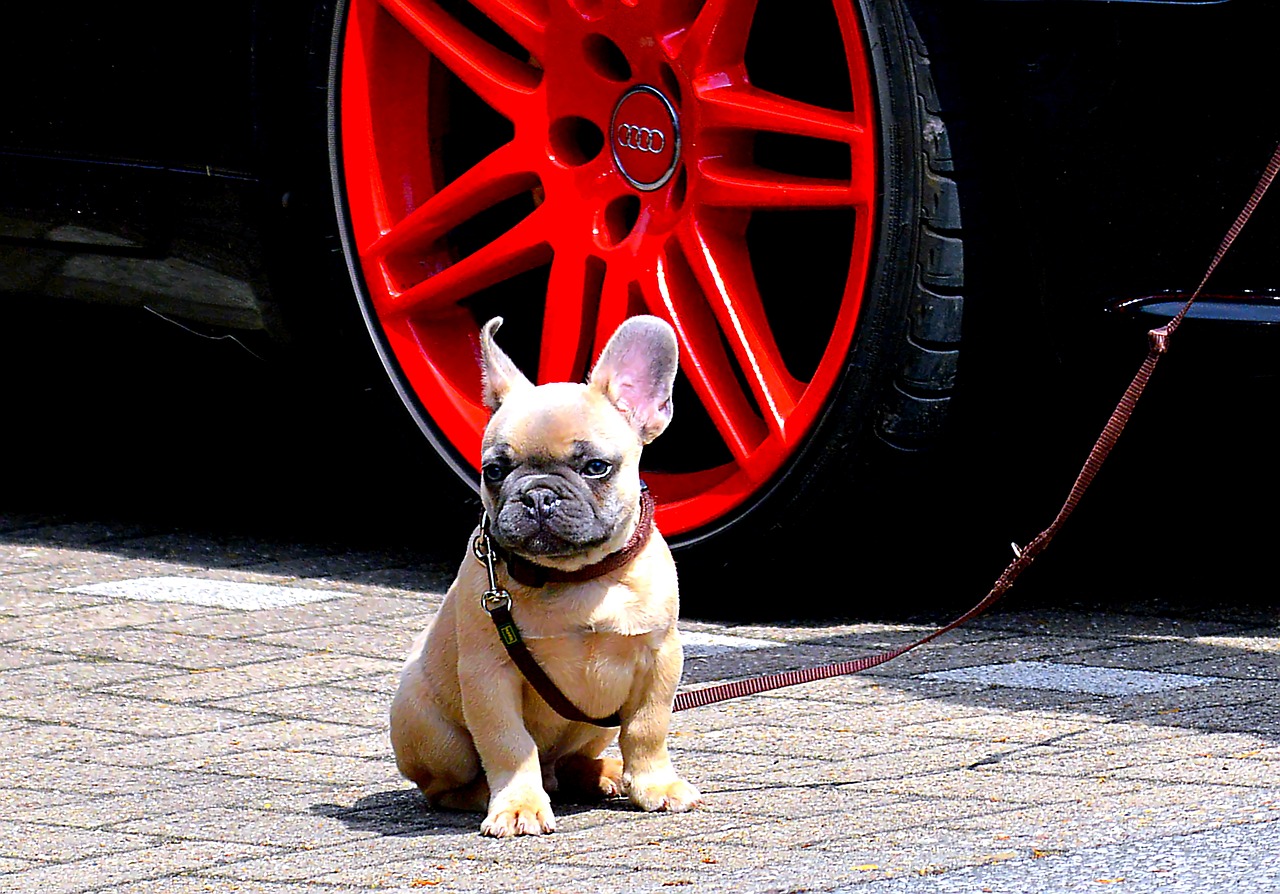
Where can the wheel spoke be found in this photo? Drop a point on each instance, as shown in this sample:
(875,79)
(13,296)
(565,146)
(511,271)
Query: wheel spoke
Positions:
(718,36)
(723,271)
(615,304)
(521,248)
(496,78)
(524,20)
(568,323)
(498,176)
(671,293)
(744,107)
(725,184)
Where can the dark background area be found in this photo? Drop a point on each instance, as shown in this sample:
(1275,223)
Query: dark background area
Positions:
(123,418)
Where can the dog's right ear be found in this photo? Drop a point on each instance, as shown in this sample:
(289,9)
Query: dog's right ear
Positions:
(499,374)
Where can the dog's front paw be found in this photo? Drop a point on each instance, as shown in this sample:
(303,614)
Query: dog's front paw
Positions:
(520,813)
(661,791)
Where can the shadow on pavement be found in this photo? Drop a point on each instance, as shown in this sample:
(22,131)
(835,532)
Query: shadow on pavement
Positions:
(402,812)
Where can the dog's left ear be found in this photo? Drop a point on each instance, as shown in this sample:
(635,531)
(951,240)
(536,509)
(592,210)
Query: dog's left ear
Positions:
(636,371)
(499,373)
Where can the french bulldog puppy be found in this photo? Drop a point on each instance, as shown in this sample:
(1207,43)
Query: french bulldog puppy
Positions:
(561,490)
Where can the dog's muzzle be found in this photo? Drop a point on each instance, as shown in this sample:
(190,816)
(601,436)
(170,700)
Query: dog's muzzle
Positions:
(543,516)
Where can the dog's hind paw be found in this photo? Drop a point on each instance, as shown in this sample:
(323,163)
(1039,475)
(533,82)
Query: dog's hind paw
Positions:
(662,792)
(588,779)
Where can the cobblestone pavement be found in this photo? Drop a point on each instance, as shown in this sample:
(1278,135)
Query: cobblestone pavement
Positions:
(168,729)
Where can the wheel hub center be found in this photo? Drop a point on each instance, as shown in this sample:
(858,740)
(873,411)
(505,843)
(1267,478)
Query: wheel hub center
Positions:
(644,137)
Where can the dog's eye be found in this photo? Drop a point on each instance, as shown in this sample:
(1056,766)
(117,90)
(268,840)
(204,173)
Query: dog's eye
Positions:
(494,472)
(596,468)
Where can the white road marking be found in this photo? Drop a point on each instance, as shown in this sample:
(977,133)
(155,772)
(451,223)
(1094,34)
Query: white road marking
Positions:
(703,645)
(212,593)
(1071,678)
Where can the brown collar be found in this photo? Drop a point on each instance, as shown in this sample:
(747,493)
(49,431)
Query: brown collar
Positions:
(531,574)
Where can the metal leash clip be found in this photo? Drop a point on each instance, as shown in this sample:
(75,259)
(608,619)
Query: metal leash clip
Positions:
(495,597)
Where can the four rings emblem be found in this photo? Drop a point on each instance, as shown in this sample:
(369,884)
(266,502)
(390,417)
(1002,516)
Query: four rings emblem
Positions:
(644,137)
(641,139)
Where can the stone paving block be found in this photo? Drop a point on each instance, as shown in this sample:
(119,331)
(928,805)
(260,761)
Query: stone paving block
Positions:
(1223,770)
(1003,698)
(294,766)
(791,802)
(242,679)
(155,647)
(49,844)
(910,854)
(157,750)
(105,567)
(377,688)
(382,641)
(998,787)
(199,885)
(1025,727)
(251,826)
(1235,665)
(18,803)
(372,746)
(768,739)
(1073,759)
(704,768)
(72,776)
(119,714)
(53,740)
(210,791)
(836,813)
(483,877)
(111,615)
(329,704)
(18,657)
(33,554)
(9,864)
(1151,814)
(59,673)
(312,864)
(18,611)
(165,859)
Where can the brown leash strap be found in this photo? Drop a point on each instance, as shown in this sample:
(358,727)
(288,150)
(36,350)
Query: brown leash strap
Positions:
(1158,346)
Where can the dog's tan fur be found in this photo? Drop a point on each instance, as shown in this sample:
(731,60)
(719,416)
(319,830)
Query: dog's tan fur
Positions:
(465,725)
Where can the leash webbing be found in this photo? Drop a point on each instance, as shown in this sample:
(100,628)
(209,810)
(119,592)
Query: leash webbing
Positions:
(1158,345)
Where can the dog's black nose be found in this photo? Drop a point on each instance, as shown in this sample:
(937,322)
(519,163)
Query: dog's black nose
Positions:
(541,500)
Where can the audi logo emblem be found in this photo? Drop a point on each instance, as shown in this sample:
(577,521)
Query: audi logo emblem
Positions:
(644,137)
(641,139)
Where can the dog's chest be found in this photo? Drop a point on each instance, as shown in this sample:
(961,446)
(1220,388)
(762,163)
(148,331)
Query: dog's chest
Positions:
(595,645)
(597,670)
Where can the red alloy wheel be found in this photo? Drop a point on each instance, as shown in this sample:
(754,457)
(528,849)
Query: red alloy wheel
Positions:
(567,163)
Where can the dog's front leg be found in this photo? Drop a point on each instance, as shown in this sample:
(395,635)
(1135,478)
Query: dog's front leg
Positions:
(648,778)
(492,706)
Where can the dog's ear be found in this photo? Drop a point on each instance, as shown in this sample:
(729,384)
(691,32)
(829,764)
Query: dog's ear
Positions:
(636,371)
(499,374)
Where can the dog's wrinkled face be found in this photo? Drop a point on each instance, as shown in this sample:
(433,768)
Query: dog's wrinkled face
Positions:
(560,462)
